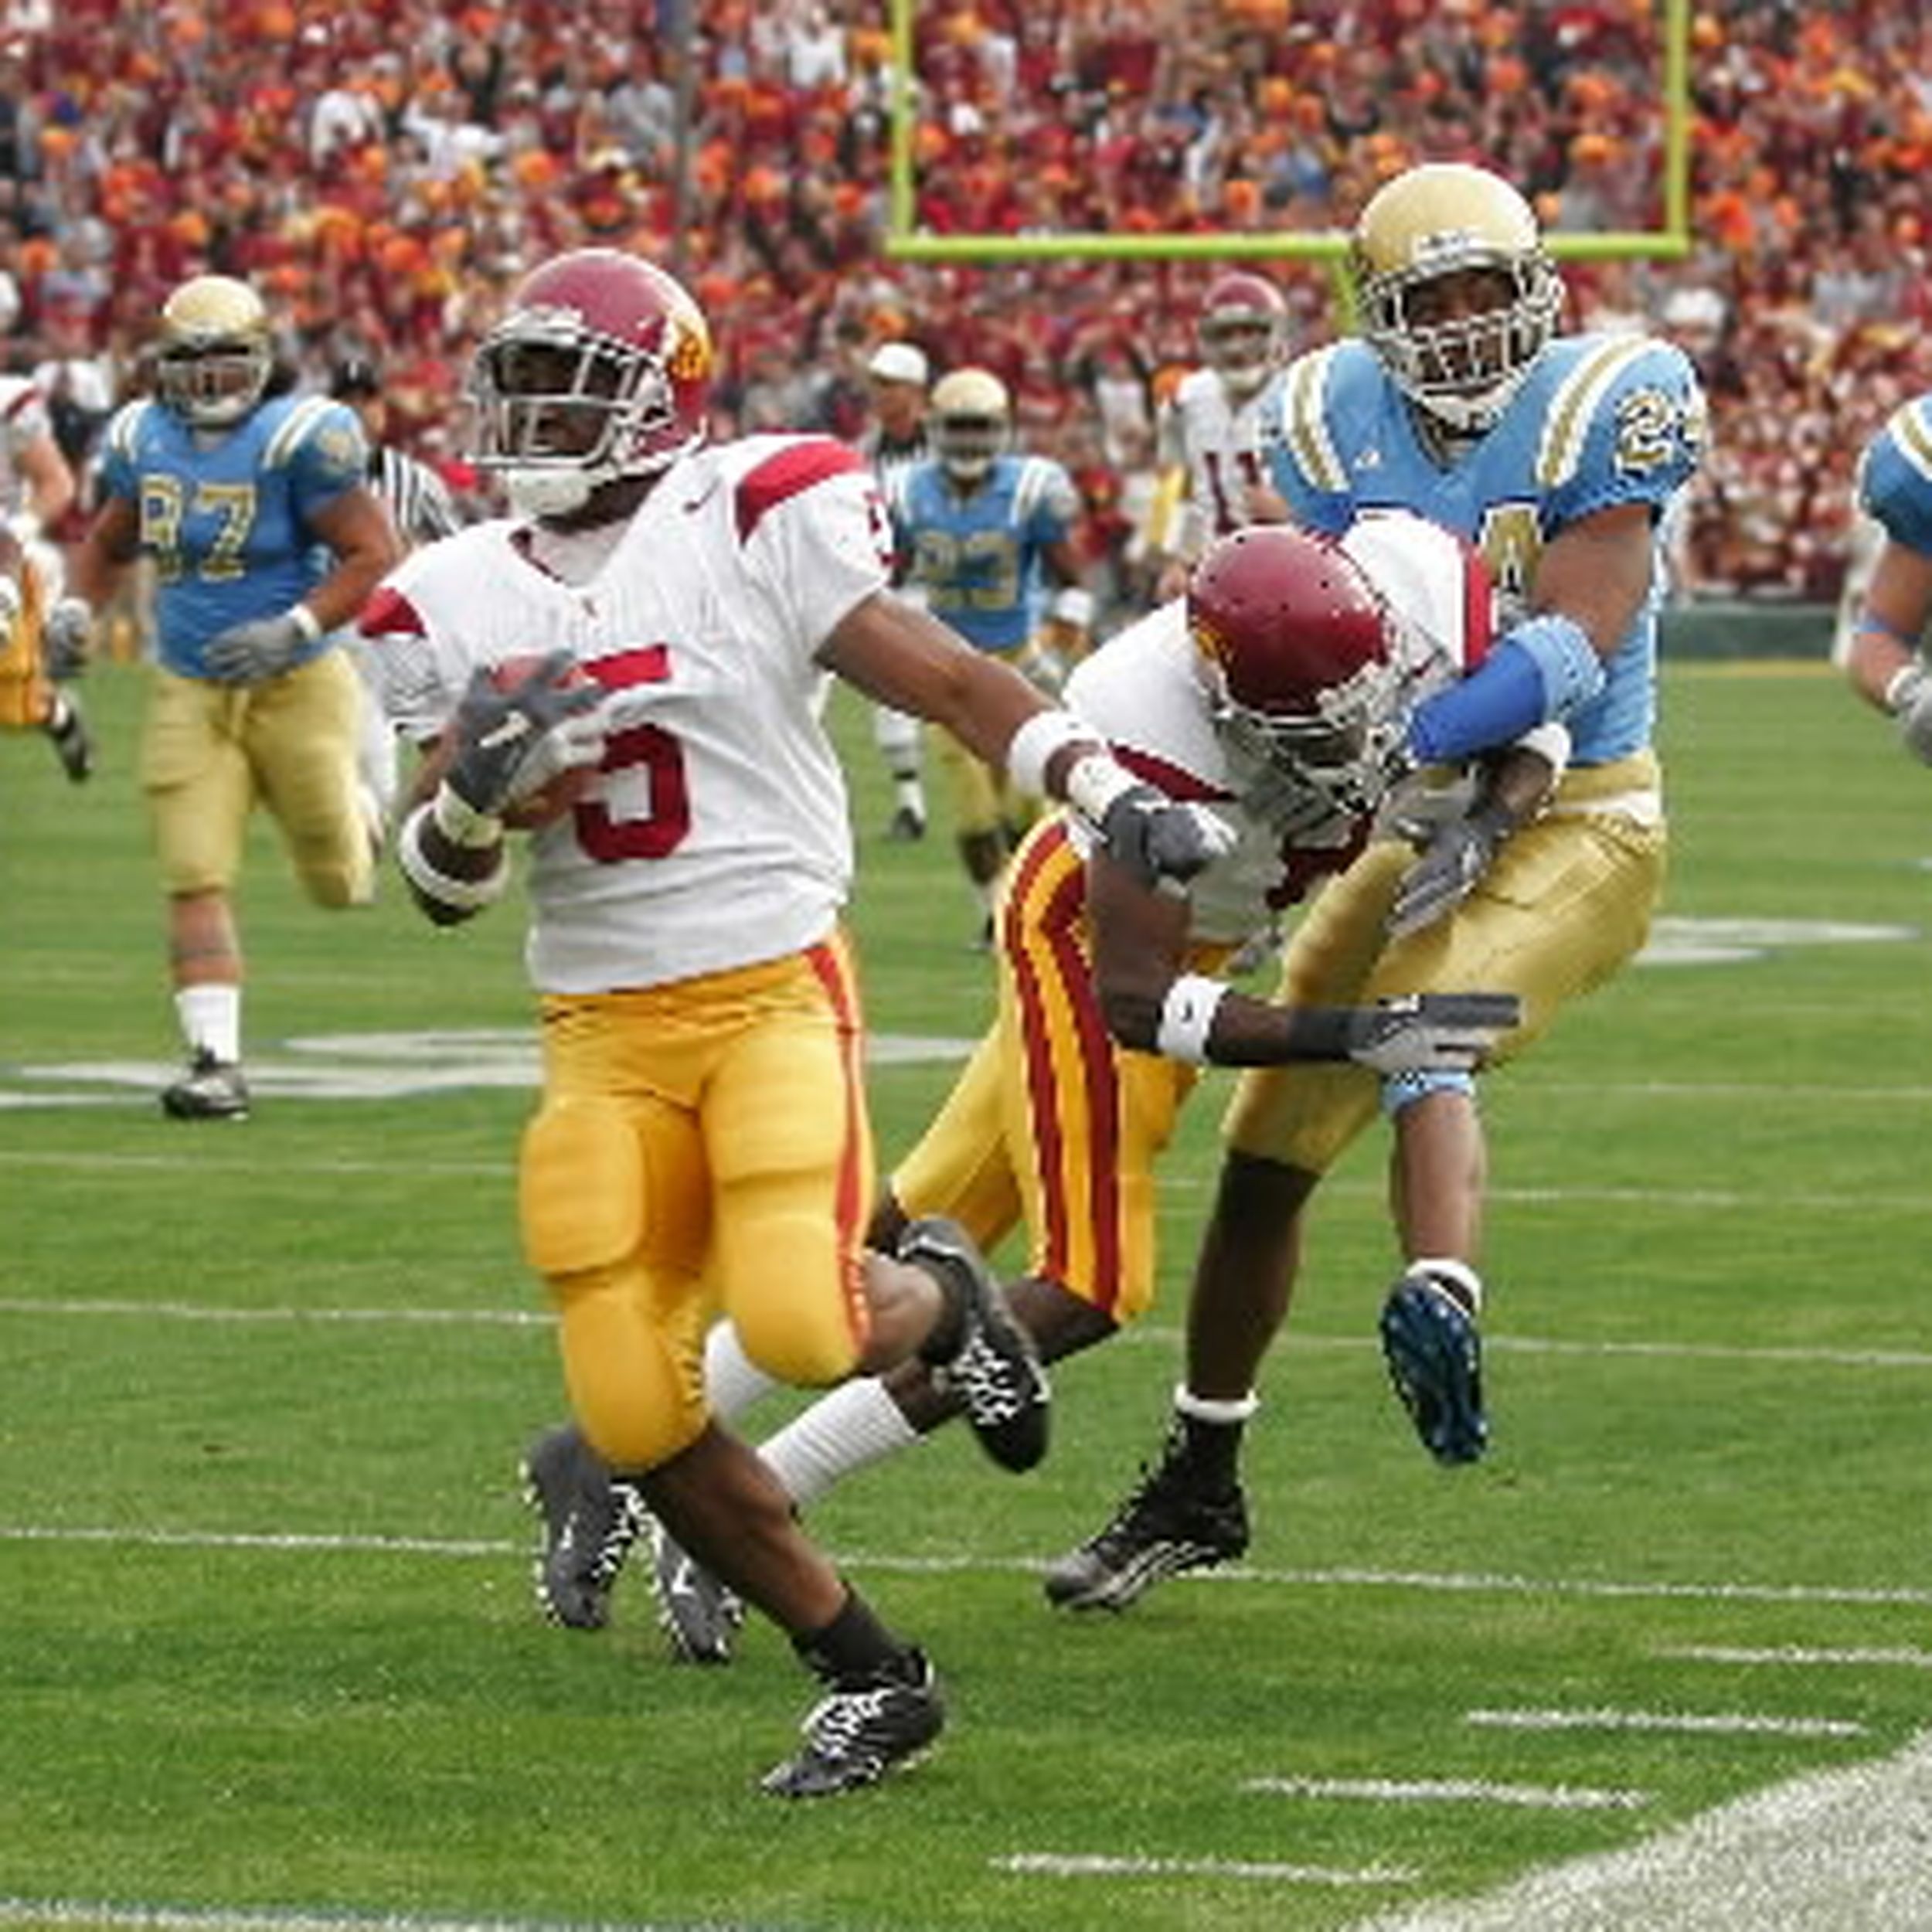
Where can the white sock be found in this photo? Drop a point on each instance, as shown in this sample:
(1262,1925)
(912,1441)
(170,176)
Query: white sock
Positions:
(733,1381)
(210,1016)
(855,1423)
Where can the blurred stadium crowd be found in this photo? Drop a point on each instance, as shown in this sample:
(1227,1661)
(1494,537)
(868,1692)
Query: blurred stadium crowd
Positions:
(384,172)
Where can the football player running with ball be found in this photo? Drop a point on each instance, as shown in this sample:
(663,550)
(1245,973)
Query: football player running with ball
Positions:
(702,1142)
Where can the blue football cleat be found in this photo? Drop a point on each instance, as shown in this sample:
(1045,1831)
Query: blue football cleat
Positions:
(1435,1354)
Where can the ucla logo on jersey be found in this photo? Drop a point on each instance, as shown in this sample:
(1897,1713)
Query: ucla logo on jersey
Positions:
(340,446)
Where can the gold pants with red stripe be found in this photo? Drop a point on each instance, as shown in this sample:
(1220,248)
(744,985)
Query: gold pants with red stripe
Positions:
(26,698)
(702,1149)
(1051,1123)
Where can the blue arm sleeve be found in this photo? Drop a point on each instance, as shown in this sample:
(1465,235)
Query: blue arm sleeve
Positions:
(1542,669)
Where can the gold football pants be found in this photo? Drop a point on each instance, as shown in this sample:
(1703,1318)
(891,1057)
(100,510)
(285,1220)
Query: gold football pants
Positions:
(1051,1123)
(1567,904)
(209,751)
(702,1149)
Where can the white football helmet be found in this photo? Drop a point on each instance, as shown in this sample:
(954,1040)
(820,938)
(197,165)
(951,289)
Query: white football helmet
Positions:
(970,421)
(600,368)
(215,356)
(1458,351)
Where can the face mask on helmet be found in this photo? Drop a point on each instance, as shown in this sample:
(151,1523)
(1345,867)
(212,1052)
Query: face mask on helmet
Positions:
(1294,648)
(599,370)
(1457,296)
(214,358)
(970,422)
(1242,330)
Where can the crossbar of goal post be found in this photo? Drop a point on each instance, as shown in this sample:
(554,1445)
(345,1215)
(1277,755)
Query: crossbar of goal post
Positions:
(905,242)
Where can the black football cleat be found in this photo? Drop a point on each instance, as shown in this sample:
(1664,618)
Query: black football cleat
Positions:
(996,1372)
(589,1522)
(861,1730)
(697,1610)
(211,1090)
(1169,1523)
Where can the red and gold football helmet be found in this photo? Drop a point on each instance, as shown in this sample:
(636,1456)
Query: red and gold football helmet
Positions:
(1243,330)
(1297,653)
(600,368)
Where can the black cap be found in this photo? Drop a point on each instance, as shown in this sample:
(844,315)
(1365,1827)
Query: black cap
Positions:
(355,379)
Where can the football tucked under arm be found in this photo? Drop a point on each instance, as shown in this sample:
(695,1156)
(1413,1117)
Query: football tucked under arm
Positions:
(525,744)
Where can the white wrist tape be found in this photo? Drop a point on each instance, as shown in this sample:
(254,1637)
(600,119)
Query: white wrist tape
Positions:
(1900,686)
(1187,1017)
(1550,741)
(1093,782)
(459,895)
(460,822)
(1031,748)
(1072,605)
(306,621)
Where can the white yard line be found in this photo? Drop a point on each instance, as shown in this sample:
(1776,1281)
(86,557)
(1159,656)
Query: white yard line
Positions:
(1844,1851)
(1686,1723)
(1090,1865)
(1450,1790)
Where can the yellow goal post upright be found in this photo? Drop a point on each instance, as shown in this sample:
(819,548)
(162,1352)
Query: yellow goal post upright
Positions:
(906,242)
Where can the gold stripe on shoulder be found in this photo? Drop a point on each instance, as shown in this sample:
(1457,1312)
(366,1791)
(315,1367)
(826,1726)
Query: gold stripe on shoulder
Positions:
(1912,429)
(1566,423)
(1303,429)
(294,427)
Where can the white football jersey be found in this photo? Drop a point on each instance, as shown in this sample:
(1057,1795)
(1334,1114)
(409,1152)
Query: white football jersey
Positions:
(23,419)
(1141,690)
(716,834)
(1219,441)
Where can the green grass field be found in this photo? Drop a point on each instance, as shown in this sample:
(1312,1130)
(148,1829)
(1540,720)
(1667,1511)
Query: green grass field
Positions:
(267,1643)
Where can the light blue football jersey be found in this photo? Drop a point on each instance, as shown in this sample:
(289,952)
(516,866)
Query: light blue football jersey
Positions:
(1600,421)
(1895,476)
(981,556)
(225,515)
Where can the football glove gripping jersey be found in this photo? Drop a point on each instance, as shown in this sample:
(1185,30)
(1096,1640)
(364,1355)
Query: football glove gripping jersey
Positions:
(1450,868)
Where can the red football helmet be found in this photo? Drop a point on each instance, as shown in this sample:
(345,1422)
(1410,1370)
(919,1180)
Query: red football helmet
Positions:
(600,368)
(1297,653)
(1243,329)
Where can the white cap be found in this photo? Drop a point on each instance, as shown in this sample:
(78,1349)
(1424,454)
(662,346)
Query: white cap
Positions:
(898,362)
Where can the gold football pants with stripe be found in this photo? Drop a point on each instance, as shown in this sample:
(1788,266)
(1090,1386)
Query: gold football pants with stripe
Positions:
(1567,904)
(1052,1123)
(26,698)
(702,1149)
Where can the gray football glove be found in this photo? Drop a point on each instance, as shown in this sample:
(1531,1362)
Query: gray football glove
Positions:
(1163,844)
(1431,1032)
(1911,700)
(1450,867)
(511,741)
(66,634)
(263,647)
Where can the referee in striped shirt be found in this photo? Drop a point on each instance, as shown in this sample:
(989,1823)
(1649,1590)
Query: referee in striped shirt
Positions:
(420,506)
(417,499)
